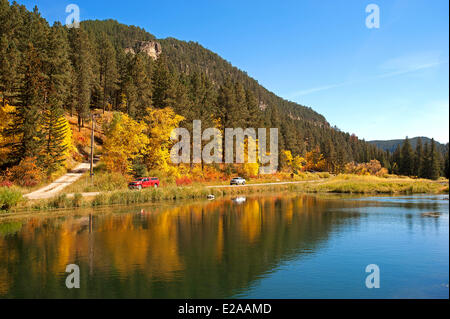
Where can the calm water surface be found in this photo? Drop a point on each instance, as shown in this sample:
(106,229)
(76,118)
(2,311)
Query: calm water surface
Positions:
(273,246)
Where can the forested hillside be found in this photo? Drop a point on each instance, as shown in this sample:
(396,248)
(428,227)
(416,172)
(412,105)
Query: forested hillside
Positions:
(231,95)
(48,73)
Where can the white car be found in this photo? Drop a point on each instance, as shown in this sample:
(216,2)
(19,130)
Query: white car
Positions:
(237,181)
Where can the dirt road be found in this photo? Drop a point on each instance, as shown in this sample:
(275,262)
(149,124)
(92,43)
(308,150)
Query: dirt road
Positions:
(54,188)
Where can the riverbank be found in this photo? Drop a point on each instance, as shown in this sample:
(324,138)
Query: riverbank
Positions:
(345,184)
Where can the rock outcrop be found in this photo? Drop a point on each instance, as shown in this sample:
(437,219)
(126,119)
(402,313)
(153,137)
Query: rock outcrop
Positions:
(151,48)
(130,50)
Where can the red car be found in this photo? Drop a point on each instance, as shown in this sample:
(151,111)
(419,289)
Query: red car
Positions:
(144,182)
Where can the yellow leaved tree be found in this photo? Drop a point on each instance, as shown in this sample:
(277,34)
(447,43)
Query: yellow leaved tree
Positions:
(160,123)
(67,142)
(298,163)
(292,164)
(6,119)
(125,139)
(286,160)
(251,169)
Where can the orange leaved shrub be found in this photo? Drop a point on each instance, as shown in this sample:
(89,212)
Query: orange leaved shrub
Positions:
(372,168)
(26,174)
(181,181)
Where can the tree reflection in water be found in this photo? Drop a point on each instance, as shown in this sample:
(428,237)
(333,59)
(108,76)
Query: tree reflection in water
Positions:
(210,249)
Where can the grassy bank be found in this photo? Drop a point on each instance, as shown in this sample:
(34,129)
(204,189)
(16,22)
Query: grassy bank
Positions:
(102,182)
(354,184)
(351,184)
(9,197)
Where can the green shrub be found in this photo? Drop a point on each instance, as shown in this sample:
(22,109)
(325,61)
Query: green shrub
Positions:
(139,168)
(100,199)
(77,200)
(9,197)
(324,175)
(60,201)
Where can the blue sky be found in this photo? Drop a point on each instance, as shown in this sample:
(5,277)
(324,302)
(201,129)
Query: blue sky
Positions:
(383,83)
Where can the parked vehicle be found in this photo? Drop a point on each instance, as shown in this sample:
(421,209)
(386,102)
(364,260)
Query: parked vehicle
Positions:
(237,181)
(144,182)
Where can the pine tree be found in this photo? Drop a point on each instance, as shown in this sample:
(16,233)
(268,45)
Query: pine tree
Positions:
(434,162)
(82,78)
(56,66)
(254,118)
(136,84)
(25,129)
(163,85)
(241,112)
(141,73)
(446,161)
(54,126)
(182,100)
(9,59)
(431,161)
(406,162)
(396,160)
(385,162)
(57,86)
(202,105)
(228,107)
(418,159)
(426,168)
(291,136)
(108,70)
(128,90)
(331,156)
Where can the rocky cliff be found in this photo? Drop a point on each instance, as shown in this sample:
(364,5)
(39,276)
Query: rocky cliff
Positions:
(151,48)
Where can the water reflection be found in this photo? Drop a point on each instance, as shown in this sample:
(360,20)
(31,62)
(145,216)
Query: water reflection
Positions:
(239,200)
(211,249)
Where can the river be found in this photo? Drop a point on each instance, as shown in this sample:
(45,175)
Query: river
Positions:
(262,246)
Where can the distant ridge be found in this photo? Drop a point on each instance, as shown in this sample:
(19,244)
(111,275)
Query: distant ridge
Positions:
(391,145)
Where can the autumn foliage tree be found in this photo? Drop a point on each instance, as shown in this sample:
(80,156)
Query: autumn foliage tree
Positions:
(293,164)
(125,140)
(6,114)
(286,160)
(251,165)
(160,123)
(315,160)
